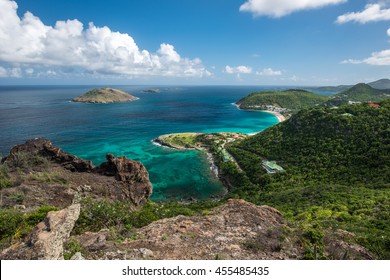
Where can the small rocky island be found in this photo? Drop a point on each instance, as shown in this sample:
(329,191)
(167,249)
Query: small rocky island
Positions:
(152,90)
(105,95)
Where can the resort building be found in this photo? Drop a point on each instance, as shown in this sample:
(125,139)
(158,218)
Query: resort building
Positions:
(271,167)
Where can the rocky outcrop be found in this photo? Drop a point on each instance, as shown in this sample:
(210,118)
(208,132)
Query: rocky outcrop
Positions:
(47,238)
(235,230)
(132,174)
(118,178)
(45,148)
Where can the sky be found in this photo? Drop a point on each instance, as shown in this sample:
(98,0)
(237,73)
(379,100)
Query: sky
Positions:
(194,42)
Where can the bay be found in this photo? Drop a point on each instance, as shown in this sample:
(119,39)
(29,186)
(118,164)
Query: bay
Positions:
(90,131)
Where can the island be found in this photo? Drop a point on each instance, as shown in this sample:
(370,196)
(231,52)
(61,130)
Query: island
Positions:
(152,90)
(105,95)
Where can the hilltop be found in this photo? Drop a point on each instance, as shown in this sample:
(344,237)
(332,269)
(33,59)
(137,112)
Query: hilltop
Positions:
(105,95)
(284,102)
(382,84)
(337,170)
(358,93)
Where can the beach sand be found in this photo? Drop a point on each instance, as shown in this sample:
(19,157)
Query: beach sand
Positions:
(280,117)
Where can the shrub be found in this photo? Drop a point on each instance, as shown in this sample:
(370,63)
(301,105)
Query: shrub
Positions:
(39,215)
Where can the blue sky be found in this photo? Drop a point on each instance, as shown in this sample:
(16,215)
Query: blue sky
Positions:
(236,42)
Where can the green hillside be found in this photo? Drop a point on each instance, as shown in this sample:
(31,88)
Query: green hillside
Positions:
(358,93)
(337,176)
(290,99)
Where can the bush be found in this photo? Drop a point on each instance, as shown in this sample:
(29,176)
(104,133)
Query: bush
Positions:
(10,220)
(39,215)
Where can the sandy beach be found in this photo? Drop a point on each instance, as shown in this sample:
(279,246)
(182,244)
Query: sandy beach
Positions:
(280,117)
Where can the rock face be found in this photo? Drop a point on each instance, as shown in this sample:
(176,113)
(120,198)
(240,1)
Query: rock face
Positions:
(235,230)
(105,95)
(118,178)
(47,238)
(132,174)
(45,148)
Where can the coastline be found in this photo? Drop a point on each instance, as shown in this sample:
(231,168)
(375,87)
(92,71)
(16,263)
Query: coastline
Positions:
(279,116)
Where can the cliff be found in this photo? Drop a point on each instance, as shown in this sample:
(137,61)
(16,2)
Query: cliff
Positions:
(39,171)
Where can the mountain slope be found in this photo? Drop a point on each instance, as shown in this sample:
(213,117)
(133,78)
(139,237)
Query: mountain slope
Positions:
(337,164)
(380,84)
(291,99)
(358,93)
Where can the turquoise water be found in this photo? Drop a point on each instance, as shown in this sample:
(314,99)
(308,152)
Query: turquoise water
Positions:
(91,131)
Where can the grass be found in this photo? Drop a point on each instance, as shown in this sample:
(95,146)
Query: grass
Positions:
(15,224)
(183,140)
(48,177)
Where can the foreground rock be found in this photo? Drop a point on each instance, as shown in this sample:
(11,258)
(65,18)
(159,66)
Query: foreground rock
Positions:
(235,230)
(59,178)
(105,95)
(46,241)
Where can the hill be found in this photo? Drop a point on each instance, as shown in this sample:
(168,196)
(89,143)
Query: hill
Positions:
(380,84)
(337,170)
(105,95)
(284,102)
(358,93)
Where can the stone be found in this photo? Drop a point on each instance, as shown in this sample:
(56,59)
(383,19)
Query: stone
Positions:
(47,238)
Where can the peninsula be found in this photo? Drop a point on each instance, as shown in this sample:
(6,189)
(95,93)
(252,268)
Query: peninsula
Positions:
(105,95)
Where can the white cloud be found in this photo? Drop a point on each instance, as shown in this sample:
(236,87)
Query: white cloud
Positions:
(14,72)
(280,8)
(372,12)
(3,72)
(269,72)
(376,58)
(238,70)
(30,42)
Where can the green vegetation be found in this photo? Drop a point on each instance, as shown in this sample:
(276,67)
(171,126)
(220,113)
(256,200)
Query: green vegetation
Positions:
(291,99)
(26,162)
(358,93)
(48,177)
(5,181)
(71,248)
(180,140)
(96,215)
(105,95)
(337,164)
(15,224)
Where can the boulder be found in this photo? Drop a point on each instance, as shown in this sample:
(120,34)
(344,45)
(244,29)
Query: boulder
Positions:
(133,176)
(46,241)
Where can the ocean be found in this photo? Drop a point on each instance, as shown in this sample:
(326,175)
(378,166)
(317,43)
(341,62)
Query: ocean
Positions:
(90,131)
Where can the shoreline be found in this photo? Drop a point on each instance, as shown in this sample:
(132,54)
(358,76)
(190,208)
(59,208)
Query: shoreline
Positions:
(279,116)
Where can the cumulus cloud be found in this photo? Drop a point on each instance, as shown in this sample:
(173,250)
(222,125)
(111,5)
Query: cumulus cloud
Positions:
(238,70)
(376,58)
(280,8)
(371,13)
(269,72)
(28,41)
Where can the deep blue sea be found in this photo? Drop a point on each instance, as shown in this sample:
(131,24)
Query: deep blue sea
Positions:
(91,131)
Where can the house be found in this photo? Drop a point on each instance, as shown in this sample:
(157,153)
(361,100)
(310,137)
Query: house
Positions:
(271,167)
(374,105)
